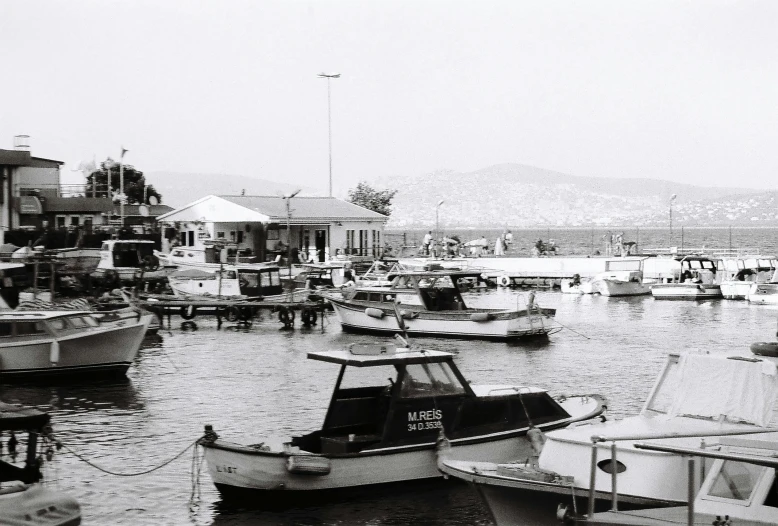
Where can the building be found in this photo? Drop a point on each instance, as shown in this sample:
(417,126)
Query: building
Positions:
(24,181)
(319,228)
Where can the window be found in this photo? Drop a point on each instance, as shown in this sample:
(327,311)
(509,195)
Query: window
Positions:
(427,379)
(252,279)
(75,220)
(374,297)
(350,241)
(232,236)
(78,322)
(29,327)
(60,221)
(220,235)
(240,236)
(264,279)
(376,243)
(57,324)
(6,329)
(735,480)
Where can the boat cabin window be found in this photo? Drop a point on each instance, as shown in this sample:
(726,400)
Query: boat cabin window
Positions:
(374,296)
(735,480)
(58,324)
(361,296)
(231,274)
(388,298)
(105,247)
(442,299)
(21,328)
(664,394)
(433,379)
(356,378)
(252,279)
(409,299)
(178,253)
(79,322)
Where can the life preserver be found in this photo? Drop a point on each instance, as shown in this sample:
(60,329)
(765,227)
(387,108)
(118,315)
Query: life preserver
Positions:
(504,281)
(286,316)
(188,312)
(232,314)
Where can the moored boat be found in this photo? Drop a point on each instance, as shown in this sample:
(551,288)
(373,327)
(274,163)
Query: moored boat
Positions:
(764,293)
(28,502)
(45,343)
(376,434)
(622,277)
(429,302)
(695,279)
(234,281)
(742,272)
(684,407)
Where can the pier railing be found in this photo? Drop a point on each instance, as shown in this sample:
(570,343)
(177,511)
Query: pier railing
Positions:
(702,251)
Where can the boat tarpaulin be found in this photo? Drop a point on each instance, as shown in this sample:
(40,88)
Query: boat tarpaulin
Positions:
(741,390)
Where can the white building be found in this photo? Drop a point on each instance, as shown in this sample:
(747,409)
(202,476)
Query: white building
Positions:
(319,227)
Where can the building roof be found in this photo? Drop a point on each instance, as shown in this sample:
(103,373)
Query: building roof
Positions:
(271,209)
(77,204)
(23,158)
(321,208)
(134,210)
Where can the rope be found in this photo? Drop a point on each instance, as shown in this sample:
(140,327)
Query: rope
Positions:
(128,474)
(571,330)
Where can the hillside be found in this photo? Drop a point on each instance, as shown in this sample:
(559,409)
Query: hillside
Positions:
(526,196)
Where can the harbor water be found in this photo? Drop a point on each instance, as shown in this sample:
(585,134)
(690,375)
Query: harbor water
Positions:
(253,383)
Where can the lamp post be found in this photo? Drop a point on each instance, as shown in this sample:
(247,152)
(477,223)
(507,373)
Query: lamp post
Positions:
(121,185)
(672,198)
(329,76)
(437,219)
(288,197)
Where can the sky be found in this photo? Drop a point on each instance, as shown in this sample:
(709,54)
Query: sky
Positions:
(685,91)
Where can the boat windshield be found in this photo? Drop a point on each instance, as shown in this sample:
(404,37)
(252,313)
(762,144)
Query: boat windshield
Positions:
(665,390)
(355,377)
(433,379)
(735,480)
(21,328)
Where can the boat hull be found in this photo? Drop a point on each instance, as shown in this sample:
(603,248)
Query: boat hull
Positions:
(504,325)
(763,294)
(685,291)
(102,351)
(608,287)
(735,290)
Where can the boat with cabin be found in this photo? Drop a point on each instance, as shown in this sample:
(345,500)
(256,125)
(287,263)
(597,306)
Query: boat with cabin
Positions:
(741,273)
(695,278)
(385,431)
(28,501)
(37,344)
(696,397)
(740,488)
(429,302)
(256,280)
(124,259)
(764,293)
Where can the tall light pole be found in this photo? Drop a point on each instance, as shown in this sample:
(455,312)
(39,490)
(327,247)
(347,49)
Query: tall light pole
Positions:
(437,219)
(121,185)
(329,76)
(672,198)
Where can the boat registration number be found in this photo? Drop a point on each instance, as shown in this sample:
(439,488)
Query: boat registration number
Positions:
(226,469)
(424,420)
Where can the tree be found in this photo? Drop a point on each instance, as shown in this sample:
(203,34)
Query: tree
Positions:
(366,196)
(137,191)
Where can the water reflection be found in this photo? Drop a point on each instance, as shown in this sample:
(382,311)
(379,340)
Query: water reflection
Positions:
(96,395)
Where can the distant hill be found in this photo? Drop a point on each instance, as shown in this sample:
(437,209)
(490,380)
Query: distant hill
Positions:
(178,189)
(525,196)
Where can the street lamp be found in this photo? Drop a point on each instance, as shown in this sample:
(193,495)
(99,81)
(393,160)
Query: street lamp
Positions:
(329,76)
(288,197)
(672,198)
(437,219)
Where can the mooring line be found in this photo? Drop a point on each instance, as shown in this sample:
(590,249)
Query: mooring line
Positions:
(80,457)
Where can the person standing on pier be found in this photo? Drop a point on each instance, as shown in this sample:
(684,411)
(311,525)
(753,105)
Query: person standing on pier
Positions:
(608,238)
(426,242)
(620,244)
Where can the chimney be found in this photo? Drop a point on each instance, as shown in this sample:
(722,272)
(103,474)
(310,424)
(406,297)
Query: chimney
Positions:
(22,143)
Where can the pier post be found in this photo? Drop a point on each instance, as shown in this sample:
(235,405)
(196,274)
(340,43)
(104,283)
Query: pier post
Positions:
(691,496)
(593,476)
(614,473)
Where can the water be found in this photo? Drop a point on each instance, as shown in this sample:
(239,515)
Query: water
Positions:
(253,383)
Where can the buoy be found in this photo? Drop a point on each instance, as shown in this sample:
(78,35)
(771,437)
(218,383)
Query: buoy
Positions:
(54,353)
(504,281)
(481,316)
(374,313)
(286,316)
(308,317)
(769,349)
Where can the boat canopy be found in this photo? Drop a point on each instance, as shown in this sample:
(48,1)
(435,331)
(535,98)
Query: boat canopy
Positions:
(369,355)
(20,418)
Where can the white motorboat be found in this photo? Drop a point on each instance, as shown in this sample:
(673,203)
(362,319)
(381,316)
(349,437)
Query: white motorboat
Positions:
(124,259)
(28,501)
(234,281)
(376,434)
(429,302)
(695,396)
(695,279)
(741,273)
(739,488)
(622,277)
(44,343)
(764,293)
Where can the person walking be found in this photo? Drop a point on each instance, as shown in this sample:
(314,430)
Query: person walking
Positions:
(620,243)
(426,242)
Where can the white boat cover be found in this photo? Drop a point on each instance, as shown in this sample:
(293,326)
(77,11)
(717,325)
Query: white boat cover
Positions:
(711,386)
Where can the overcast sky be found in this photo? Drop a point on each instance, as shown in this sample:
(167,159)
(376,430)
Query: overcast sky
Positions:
(676,90)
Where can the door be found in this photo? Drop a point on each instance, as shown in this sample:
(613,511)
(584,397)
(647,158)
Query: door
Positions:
(321,245)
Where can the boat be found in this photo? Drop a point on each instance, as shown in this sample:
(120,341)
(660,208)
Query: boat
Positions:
(622,277)
(234,281)
(46,343)
(685,406)
(429,302)
(124,260)
(695,279)
(739,488)
(741,273)
(28,501)
(764,293)
(379,432)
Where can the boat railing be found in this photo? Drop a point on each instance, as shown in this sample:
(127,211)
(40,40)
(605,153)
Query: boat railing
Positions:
(600,439)
(703,251)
